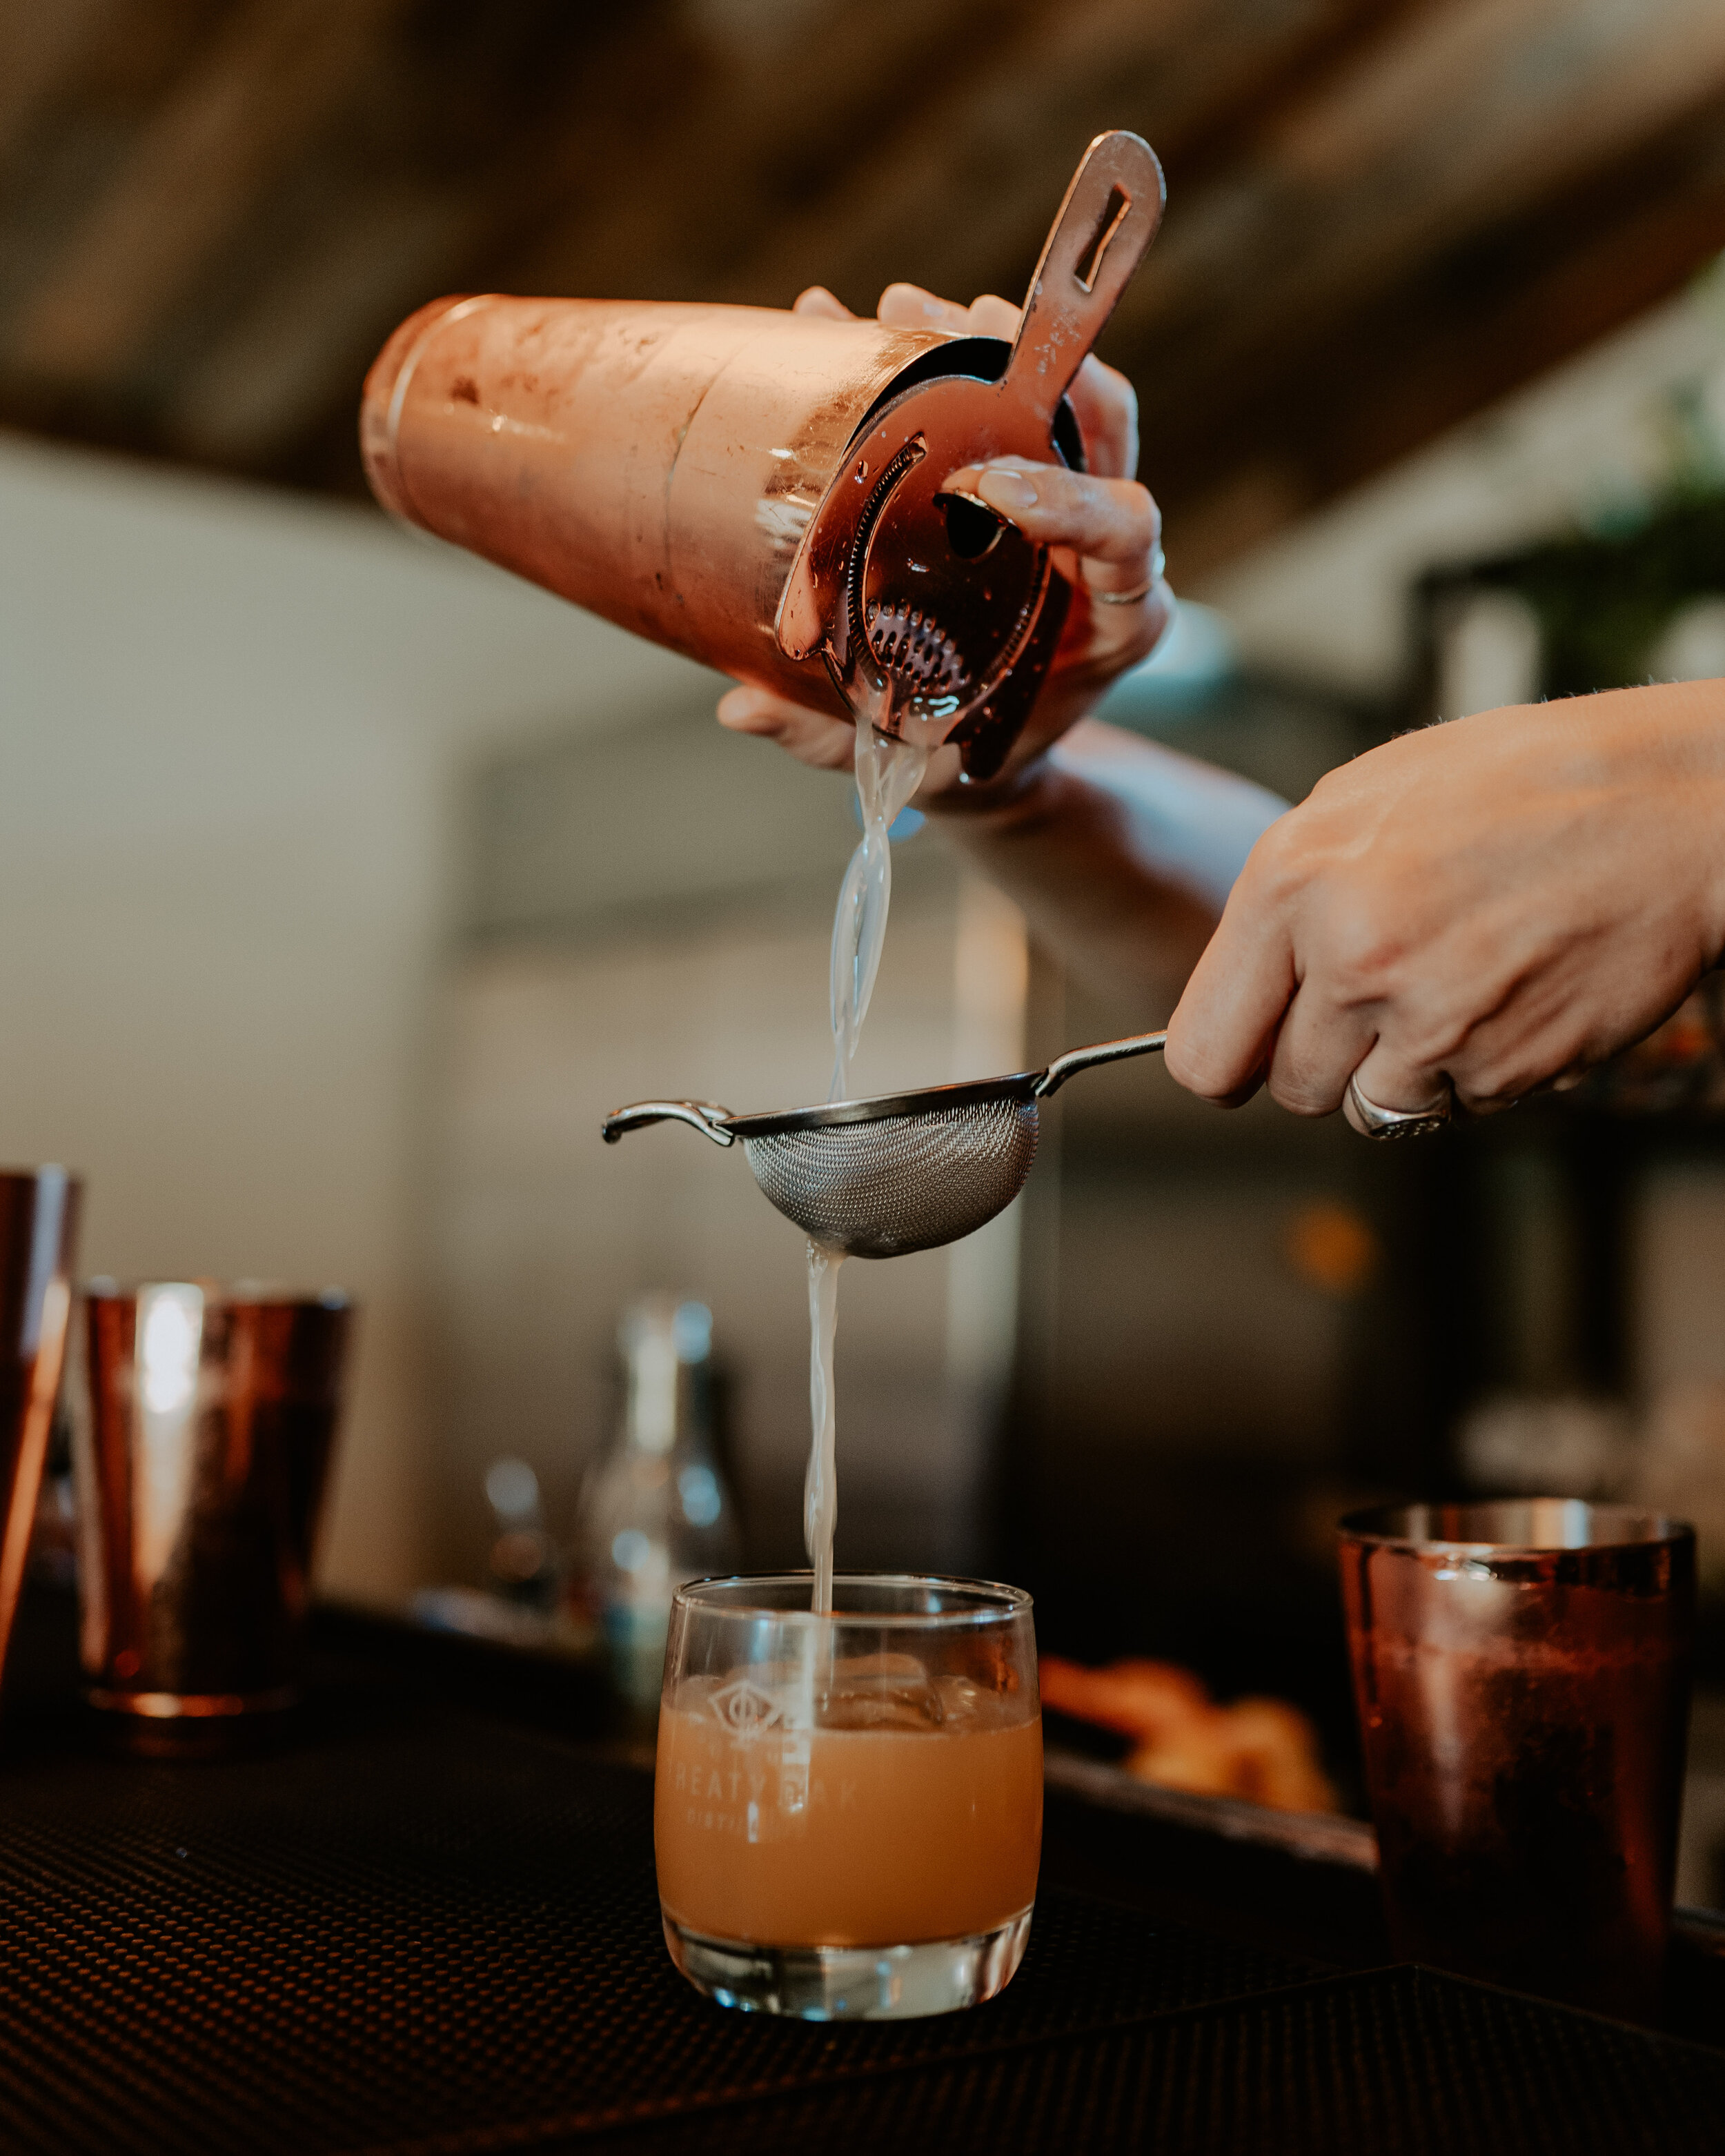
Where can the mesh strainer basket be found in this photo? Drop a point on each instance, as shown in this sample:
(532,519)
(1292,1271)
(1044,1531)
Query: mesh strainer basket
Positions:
(905,1172)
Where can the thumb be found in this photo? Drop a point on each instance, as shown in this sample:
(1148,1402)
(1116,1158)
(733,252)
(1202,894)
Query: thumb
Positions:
(817,300)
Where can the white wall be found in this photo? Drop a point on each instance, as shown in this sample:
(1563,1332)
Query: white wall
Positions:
(231,724)
(542,1235)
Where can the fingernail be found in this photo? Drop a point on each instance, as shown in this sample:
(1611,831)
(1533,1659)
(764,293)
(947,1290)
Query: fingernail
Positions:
(1005,490)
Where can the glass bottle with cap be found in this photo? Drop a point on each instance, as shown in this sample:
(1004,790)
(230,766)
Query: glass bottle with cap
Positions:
(654,1509)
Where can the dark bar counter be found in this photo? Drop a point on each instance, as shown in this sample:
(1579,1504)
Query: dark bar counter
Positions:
(425,1920)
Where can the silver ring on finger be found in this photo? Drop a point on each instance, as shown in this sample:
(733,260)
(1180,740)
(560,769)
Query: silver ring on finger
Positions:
(1372,1122)
(1158,565)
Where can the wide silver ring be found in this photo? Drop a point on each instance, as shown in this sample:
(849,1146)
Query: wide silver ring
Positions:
(1158,565)
(1123,598)
(1372,1121)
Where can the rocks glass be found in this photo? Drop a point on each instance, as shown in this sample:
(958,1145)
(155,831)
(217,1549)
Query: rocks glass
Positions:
(1522,1672)
(201,1469)
(848,1809)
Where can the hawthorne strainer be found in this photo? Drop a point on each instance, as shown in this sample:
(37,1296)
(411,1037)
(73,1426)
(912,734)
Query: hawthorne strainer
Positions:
(905,1172)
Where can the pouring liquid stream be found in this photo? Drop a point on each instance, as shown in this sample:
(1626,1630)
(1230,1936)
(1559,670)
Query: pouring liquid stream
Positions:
(888,773)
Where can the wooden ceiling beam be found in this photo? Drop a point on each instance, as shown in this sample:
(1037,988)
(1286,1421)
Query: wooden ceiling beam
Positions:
(72,111)
(1445,341)
(193,176)
(1397,162)
(681,204)
(42,45)
(285,369)
(363,203)
(957,194)
(1384,213)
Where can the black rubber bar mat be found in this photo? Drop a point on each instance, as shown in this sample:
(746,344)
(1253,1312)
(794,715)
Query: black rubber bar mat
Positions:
(1397,2062)
(437,1933)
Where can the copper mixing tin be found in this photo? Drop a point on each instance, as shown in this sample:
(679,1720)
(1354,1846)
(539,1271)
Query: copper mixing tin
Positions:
(764,490)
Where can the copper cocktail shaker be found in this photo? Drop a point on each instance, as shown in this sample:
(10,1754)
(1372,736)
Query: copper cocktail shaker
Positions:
(764,490)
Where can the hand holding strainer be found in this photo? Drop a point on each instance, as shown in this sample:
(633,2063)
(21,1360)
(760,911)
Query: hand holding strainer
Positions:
(905,1172)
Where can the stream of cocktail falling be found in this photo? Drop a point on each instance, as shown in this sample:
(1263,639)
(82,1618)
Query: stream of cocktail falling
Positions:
(888,773)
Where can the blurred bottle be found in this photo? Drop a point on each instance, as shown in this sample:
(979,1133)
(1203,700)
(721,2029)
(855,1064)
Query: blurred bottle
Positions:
(654,1509)
(521,1562)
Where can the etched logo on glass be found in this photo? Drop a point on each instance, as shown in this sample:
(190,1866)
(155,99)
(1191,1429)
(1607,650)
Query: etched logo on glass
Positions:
(745,1709)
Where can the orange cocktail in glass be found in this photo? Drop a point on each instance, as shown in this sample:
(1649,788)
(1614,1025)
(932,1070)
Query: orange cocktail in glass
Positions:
(848,1811)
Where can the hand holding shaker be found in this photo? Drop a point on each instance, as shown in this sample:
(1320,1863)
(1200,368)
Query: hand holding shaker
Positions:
(764,490)
(1521,1671)
(200,1477)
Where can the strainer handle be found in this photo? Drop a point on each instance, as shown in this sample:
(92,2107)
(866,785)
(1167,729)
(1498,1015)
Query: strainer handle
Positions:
(1086,1059)
(703,1116)
(1108,218)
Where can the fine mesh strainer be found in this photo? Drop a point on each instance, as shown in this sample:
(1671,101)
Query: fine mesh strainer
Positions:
(880,1179)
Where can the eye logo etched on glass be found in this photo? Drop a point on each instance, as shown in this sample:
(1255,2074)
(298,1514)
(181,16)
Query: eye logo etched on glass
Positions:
(746,1710)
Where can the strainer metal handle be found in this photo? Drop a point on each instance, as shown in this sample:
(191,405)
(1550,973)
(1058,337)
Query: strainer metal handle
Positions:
(1088,1058)
(724,1128)
(706,1116)
(905,1171)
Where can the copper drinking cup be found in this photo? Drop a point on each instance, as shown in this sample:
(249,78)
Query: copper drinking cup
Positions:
(1522,1672)
(38,1221)
(202,1465)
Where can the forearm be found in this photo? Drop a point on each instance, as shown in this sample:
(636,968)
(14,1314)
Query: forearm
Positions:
(1121,854)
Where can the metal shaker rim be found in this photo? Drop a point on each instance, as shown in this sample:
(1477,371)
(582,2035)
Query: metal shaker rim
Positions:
(103,1288)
